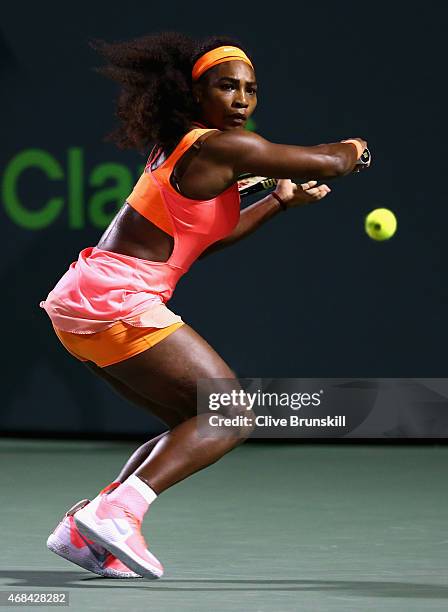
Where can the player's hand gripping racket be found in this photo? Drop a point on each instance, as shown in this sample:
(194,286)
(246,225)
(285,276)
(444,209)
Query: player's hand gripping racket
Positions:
(249,184)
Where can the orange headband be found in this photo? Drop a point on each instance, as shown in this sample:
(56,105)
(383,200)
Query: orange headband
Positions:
(218,56)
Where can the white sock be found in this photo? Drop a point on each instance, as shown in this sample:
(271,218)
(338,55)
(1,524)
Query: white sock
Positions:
(145,490)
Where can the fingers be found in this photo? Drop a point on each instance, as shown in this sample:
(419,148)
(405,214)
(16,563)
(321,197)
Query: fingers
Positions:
(318,192)
(310,187)
(321,195)
(306,186)
(308,192)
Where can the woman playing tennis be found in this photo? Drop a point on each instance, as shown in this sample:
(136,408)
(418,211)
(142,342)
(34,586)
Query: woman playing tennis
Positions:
(109,309)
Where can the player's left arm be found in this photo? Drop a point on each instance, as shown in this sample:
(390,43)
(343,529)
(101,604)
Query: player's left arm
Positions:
(255,215)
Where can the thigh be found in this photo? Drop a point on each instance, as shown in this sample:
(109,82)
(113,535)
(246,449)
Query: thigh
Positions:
(170,415)
(167,372)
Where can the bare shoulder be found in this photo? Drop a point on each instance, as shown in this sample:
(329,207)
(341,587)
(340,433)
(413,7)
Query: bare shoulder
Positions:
(233,145)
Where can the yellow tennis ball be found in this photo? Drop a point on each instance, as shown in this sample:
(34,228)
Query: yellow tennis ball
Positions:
(381,224)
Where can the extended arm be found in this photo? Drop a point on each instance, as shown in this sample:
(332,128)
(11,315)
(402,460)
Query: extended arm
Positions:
(237,152)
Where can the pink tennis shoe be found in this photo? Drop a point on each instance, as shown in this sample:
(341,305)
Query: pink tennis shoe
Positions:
(117,529)
(67,542)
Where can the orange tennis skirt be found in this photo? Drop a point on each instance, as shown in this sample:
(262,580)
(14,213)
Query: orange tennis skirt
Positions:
(115,344)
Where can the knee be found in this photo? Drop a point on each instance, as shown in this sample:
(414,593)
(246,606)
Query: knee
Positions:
(239,415)
(230,405)
(247,426)
(236,427)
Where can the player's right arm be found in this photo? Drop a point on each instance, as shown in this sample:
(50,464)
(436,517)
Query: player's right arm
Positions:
(242,151)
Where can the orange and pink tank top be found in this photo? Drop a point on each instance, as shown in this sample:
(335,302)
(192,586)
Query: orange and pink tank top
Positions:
(103,287)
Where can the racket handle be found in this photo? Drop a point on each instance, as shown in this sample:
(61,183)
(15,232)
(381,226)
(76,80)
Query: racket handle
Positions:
(263,184)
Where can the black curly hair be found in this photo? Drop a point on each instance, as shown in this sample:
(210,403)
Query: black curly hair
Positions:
(155,104)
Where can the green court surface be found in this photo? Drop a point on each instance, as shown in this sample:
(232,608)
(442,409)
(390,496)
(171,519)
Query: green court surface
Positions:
(268,528)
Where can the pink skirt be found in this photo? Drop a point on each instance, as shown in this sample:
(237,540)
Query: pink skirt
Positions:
(103,287)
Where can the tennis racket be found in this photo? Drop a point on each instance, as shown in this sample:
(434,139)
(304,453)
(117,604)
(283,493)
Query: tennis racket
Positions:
(249,184)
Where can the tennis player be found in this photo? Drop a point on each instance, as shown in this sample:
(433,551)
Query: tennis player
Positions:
(110,310)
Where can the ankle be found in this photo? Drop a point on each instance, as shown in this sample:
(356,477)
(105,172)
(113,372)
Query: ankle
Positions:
(133,495)
(147,483)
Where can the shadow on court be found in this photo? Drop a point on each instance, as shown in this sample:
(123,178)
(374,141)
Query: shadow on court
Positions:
(360,588)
